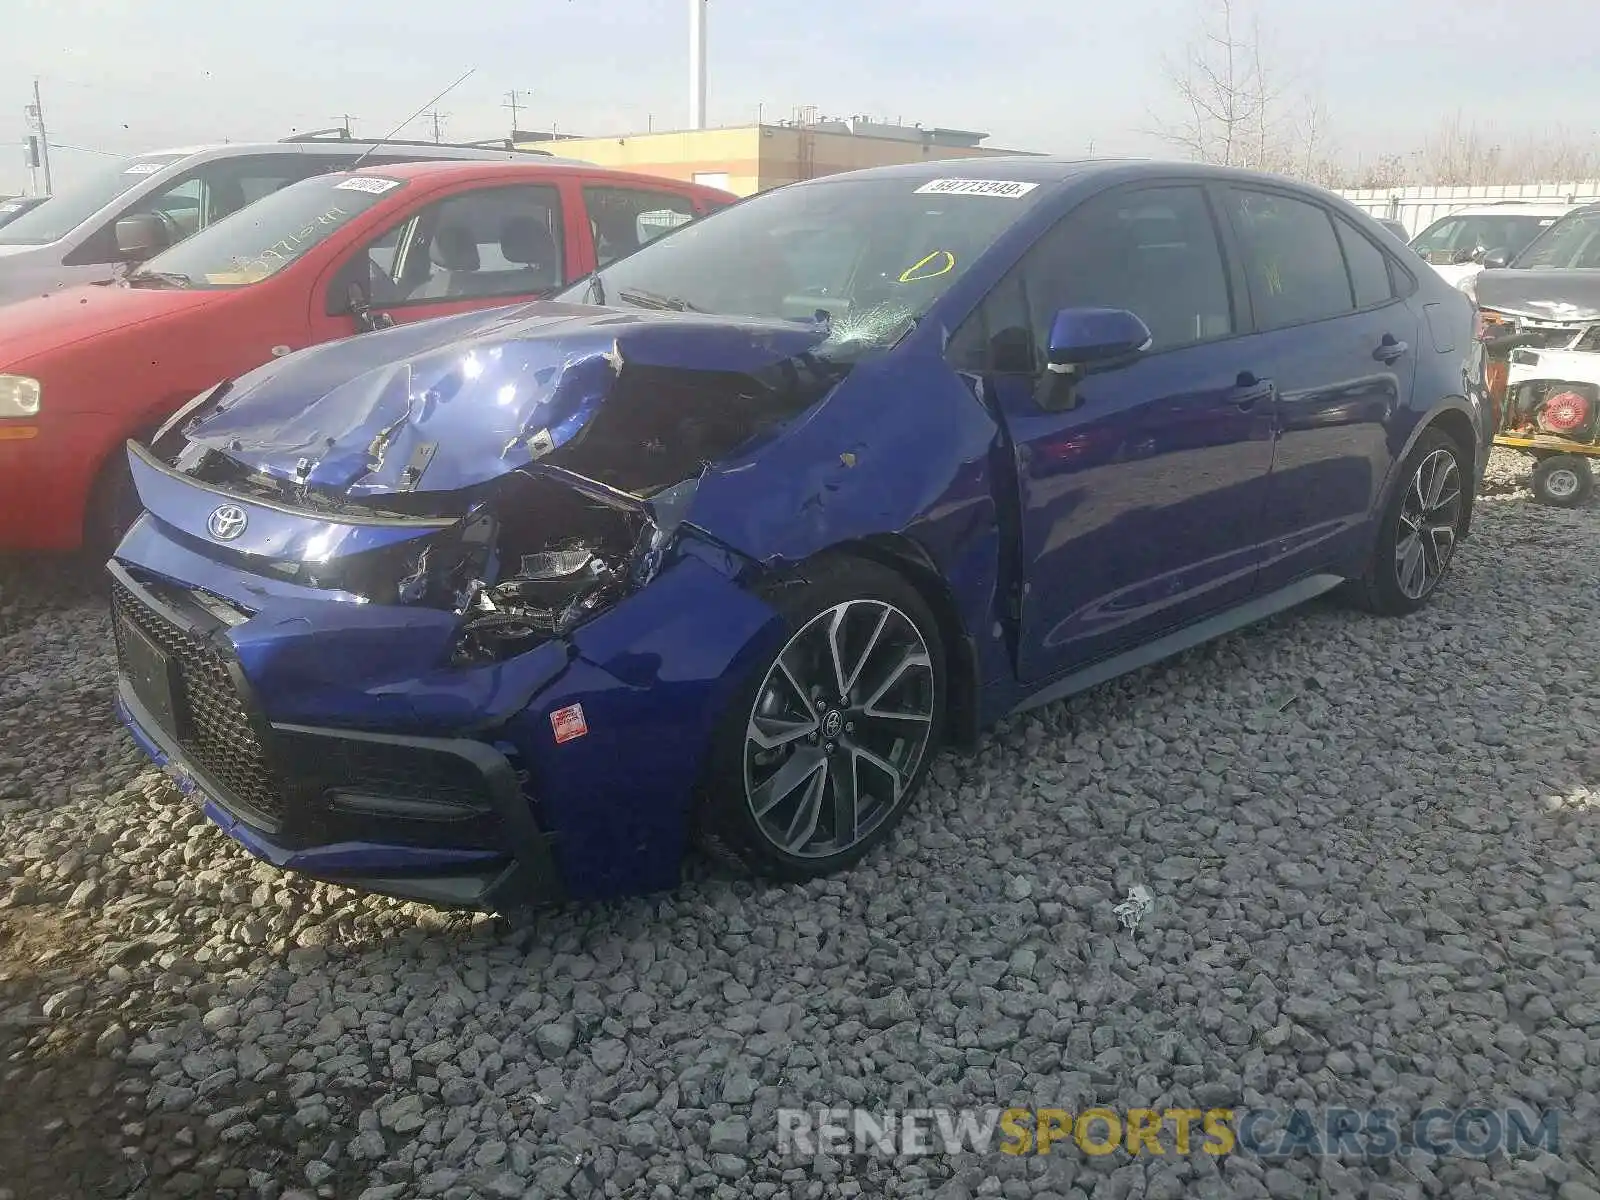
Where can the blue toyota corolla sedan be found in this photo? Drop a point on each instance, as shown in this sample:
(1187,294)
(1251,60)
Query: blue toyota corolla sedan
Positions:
(721,544)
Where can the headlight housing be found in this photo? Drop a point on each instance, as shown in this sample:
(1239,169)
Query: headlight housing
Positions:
(19,396)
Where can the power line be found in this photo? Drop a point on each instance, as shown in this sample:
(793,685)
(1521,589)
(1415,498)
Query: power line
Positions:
(86,150)
(514,103)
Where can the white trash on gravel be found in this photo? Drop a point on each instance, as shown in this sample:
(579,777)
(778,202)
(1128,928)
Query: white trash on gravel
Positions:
(1383,894)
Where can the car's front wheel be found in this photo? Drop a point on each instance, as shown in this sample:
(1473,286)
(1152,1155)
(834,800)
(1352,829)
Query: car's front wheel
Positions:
(1420,528)
(830,740)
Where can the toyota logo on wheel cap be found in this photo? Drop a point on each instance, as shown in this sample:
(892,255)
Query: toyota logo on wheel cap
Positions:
(227,522)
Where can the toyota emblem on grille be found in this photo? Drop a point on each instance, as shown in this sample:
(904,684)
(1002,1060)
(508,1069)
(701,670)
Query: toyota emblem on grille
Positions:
(227,522)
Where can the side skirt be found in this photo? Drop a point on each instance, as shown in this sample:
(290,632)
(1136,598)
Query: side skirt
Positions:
(1187,638)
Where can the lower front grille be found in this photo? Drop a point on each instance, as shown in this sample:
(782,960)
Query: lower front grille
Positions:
(212,725)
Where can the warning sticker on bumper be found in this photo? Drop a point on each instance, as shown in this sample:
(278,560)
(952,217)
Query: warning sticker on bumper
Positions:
(568,723)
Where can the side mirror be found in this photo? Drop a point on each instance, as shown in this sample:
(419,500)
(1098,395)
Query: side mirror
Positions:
(140,236)
(1496,260)
(360,308)
(1095,337)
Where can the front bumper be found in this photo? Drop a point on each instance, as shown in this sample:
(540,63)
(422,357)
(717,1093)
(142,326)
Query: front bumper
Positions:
(444,820)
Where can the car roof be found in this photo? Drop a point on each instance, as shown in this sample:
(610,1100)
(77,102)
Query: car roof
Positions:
(339,147)
(1046,169)
(433,168)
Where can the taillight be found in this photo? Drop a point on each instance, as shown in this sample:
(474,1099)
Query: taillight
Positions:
(1564,412)
(1496,373)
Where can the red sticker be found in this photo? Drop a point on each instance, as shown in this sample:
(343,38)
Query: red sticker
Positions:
(568,723)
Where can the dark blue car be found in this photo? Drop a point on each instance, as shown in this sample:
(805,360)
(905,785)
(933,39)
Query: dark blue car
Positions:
(723,543)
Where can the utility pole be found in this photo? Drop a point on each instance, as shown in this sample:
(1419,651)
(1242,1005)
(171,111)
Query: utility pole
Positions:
(345,120)
(697,64)
(514,103)
(437,117)
(36,120)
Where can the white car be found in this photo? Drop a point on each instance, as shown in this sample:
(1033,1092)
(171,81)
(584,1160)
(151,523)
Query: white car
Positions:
(1454,245)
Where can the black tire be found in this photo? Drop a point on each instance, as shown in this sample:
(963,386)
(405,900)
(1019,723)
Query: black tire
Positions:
(1563,481)
(113,505)
(727,825)
(1388,587)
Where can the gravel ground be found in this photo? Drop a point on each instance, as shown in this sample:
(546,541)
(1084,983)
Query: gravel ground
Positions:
(1373,847)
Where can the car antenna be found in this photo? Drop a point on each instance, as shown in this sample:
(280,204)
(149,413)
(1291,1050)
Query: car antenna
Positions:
(388,136)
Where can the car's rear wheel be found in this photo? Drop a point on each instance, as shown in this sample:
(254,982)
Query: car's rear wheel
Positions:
(1562,480)
(1420,528)
(830,740)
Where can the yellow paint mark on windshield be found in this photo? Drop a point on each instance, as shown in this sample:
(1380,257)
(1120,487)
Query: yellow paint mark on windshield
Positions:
(930,266)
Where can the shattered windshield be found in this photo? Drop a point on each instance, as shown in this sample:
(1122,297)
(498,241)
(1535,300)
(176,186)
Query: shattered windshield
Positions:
(263,238)
(60,215)
(1571,243)
(869,256)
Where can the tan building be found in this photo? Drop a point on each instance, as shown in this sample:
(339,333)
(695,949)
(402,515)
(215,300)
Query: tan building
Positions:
(744,159)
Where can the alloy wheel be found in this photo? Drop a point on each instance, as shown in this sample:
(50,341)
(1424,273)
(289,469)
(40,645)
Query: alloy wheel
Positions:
(1430,515)
(840,726)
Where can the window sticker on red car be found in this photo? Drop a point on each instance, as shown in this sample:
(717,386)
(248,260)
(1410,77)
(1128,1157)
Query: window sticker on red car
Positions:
(1008,189)
(568,723)
(366,183)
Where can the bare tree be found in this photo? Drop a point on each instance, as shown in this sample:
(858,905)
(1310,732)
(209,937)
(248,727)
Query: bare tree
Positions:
(1218,91)
(1234,108)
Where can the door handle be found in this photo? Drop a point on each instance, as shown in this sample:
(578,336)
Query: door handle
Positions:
(1249,390)
(1389,350)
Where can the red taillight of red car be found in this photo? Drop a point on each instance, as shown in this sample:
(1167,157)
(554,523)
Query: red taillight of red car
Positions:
(1564,412)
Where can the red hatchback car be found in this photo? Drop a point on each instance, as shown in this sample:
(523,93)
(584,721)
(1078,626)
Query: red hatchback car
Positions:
(83,370)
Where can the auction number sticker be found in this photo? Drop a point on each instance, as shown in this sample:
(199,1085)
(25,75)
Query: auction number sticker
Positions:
(364,183)
(568,723)
(144,168)
(1007,189)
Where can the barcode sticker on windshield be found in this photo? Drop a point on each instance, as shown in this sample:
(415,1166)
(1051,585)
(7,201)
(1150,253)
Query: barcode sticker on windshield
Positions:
(1005,188)
(143,169)
(365,183)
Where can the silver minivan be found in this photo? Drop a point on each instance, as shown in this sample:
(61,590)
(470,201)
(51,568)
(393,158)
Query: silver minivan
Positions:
(141,205)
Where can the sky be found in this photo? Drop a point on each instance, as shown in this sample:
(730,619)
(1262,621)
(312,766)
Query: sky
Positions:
(1059,76)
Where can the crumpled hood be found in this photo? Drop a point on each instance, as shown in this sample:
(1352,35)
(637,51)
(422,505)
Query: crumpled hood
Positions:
(1545,295)
(450,403)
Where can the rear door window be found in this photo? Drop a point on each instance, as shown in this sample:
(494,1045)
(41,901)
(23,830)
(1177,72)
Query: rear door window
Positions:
(621,219)
(1369,266)
(1292,258)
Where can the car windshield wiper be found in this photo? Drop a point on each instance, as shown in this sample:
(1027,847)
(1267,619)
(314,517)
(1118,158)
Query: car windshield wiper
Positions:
(642,299)
(169,278)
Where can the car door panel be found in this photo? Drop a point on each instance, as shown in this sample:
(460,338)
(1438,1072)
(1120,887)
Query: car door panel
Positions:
(1341,379)
(1140,488)
(1138,506)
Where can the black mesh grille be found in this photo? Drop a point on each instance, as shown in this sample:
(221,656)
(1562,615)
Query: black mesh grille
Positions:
(213,727)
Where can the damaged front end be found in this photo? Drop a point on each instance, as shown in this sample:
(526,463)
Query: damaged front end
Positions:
(522,482)
(401,625)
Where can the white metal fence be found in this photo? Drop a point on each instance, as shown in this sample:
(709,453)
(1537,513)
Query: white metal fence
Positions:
(1418,207)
